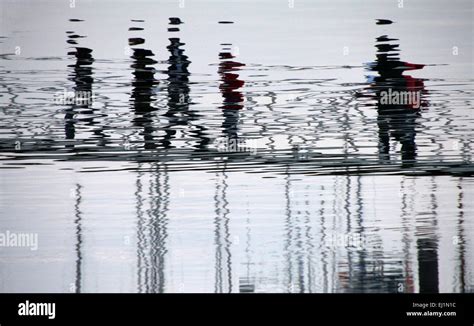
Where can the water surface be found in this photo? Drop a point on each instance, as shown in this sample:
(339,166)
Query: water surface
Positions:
(237,147)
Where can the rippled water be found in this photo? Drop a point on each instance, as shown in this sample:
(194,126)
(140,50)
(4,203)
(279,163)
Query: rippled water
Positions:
(238,147)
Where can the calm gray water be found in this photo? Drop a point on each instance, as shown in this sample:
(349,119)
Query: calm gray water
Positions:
(237,146)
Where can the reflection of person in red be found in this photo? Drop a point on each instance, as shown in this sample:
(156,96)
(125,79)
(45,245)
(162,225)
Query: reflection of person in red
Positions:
(399,99)
(229,87)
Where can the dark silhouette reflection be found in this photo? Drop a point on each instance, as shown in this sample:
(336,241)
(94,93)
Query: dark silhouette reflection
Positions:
(142,91)
(179,113)
(80,100)
(229,87)
(152,222)
(178,90)
(399,100)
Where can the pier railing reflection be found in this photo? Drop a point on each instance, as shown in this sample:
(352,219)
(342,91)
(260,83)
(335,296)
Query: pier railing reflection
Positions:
(331,237)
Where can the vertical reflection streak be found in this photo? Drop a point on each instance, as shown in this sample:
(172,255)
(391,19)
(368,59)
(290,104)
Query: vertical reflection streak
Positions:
(309,242)
(323,247)
(159,227)
(222,236)
(141,234)
(406,239)
(78,222)
(461,239)
(289,232)
(427,244)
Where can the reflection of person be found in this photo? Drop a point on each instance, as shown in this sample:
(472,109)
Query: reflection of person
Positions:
(83,80)
(230,82)
(144,80)
(397,118)
(229,87)
(142,91)
(178,91)
(178,74)
(398,100)
(180,113)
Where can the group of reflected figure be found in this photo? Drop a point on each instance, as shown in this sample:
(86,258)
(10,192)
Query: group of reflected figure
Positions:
(396,120)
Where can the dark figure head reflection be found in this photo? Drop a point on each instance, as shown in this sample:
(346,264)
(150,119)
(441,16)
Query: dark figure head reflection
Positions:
(399,100)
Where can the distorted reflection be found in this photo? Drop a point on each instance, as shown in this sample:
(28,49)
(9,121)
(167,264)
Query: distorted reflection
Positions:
(223,257)
(152,229)
(182,119)
(80,105)
(341,195)
(399,100)
(230,89)
(143,88)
